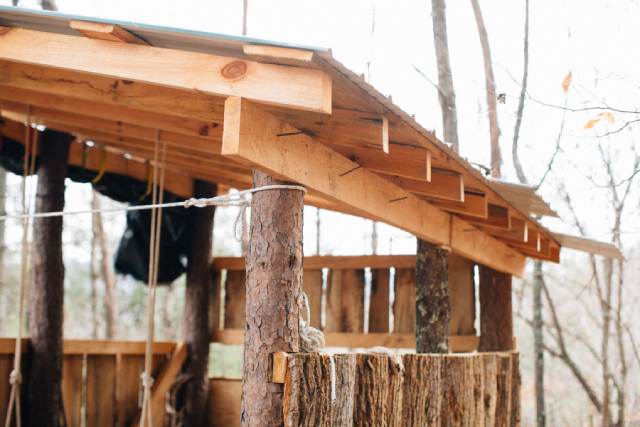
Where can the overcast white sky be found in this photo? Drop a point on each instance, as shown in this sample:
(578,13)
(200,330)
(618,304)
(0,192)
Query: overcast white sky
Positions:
(593,39)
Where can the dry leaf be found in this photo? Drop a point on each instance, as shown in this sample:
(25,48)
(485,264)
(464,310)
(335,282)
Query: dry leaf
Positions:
(591,123)
(608,116)
(566,82)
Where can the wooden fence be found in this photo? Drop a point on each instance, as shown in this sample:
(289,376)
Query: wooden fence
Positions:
(335,286)
(101,379)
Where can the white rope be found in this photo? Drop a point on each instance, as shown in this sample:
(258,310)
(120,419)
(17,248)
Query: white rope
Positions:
(15,377)
(311,339)
(237,199)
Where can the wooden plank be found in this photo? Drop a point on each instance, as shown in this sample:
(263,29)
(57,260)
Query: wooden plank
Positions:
(113,92)
(182,125)
(279,361)
(257,137)
(416,164)
(224,402)
(404,306)
(461,296)
(72,389)
(104,31)
(293,87)
(312,286)
(279,55)
(422,389)
(216,321)
(6,366)
(444,185)
(307,390)
(345,385)
(457,343)
(518,233)
(379,301)
(497,217)
(474,205)
(589,245)
(108,347)
(345,301)
(101,390)
(516,382)
(371,391)
(523,198)
(340,262)
(234,300)
(129,388)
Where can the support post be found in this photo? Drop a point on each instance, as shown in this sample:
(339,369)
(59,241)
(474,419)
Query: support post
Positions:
(44,396)
(274,276)
(196,308)
(432,299)
(496,322)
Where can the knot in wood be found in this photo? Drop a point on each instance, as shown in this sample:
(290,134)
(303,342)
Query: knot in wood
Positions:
(234,70)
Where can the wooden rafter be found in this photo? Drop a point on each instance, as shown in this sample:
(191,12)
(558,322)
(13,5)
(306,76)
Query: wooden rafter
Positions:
(259,138)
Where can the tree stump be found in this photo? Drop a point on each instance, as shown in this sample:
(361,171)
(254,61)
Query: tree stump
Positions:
(457,381)
(307,390)
(372,390)
(274,277)
(342,407)
(421,390)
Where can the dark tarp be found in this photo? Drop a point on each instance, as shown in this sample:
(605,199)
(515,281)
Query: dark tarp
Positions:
(132,256)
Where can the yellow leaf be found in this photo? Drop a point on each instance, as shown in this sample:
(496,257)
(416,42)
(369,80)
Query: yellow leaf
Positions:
(591,123)
(566,82)
(608,116)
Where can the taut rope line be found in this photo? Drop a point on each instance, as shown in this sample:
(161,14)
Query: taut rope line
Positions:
(28,168)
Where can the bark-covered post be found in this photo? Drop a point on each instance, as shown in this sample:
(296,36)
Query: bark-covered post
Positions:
(196,306)
(432,299)
(44,399)
(496,322)
(274,276)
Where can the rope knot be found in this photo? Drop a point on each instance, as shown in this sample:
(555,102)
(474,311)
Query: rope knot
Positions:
(198,203)
(15,377)
(147,380)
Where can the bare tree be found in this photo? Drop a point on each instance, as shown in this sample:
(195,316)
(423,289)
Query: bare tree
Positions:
(494,130)
(110,300)
(446,93)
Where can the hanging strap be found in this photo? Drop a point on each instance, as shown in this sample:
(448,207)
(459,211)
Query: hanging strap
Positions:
(146,418)
(103,168)
(28,169)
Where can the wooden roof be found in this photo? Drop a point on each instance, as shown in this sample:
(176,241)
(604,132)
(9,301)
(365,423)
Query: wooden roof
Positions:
(225,105)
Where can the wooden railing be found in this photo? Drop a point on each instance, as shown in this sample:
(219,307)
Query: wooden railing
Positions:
(101,379)
(335,286)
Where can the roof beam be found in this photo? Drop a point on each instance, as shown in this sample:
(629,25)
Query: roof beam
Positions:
(182,125)
(474,205)
(292,87)
(444,185)
(258,138)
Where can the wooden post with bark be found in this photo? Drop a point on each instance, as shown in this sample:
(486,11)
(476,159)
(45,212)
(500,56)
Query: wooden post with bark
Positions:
(44,399)
(496,322)
(196,307)
(432,299)
(274,277)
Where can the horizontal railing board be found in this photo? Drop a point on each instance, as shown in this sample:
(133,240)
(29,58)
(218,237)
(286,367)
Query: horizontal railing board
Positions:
(457,343)
(336,262)
(105,347)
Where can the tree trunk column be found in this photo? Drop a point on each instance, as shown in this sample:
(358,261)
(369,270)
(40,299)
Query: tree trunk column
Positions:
(196,308)
(432,299)
(274,276)
(496,322)
(44,399)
